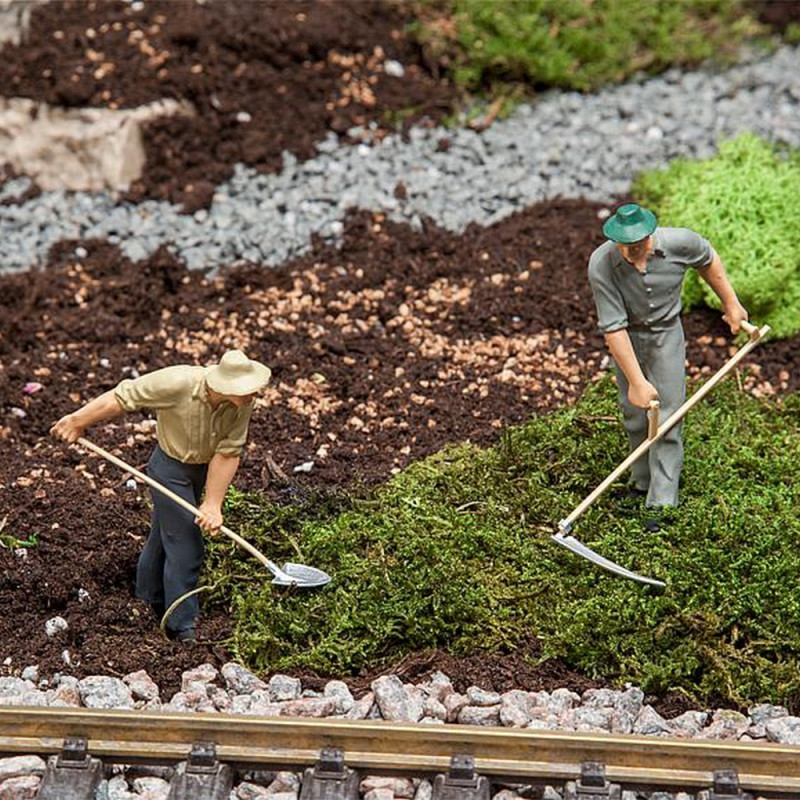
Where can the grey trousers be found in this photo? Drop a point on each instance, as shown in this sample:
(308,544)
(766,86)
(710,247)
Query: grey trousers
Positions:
(170,562)
(662,357)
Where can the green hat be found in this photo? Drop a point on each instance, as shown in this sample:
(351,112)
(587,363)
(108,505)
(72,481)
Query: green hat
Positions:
(631,223)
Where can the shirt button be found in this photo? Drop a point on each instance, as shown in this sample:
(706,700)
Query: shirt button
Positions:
(652,305)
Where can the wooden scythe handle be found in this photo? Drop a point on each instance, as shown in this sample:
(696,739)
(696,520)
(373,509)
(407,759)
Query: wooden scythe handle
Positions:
(756,335)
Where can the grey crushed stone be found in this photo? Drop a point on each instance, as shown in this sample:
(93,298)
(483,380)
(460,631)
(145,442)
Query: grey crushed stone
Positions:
(567,144)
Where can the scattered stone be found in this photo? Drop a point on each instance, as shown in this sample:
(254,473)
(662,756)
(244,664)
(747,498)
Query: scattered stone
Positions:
(362,707)
(54,626)
(783,730)
(486,716)
(341,694)
(282,687)
(197,679)
(142,686)
(23,788)
(240,680)
(399,787)
(480,697)
(17,766)
(651,723)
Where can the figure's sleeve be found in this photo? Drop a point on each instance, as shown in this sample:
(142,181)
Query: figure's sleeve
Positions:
(233,442)
(611,312)
(695,251)
(159,389)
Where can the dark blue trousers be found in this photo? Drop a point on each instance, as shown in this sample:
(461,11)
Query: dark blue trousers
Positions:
(169,565)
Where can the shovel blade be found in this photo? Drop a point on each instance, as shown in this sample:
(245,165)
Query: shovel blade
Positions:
(580,549)
(301,576)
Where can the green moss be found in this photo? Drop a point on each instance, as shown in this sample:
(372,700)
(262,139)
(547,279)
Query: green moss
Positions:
(745,201)
(455,552)
(578,44)
(792,33)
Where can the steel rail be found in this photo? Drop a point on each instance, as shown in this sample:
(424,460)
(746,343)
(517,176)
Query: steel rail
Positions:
(385,748)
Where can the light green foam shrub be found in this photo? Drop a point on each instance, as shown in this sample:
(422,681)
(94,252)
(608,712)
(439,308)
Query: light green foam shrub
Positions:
(746,201)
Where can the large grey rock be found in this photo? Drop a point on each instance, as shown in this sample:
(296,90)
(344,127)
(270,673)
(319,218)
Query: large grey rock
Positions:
(241,680)
(15,766)
(99,691)
(650,723)
(283,687)
(783,730)
(340,692)
(393,700)
(486,716)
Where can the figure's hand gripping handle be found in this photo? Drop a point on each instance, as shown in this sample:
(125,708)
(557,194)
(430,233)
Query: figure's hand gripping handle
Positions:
(753,331)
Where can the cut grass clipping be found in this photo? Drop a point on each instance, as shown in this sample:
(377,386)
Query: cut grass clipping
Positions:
(746,202)
(577,44)
(455,553)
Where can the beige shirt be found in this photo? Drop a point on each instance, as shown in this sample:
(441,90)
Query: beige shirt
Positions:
(188,428)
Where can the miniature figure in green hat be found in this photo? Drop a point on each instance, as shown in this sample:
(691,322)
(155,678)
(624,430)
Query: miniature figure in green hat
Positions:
(202,415)
(636,279)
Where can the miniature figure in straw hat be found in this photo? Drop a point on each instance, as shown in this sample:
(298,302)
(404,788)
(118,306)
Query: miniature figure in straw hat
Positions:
(202,420)
(636,279)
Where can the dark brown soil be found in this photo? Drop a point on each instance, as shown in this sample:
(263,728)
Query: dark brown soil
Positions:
(777,14)
(383,351)
(299,69)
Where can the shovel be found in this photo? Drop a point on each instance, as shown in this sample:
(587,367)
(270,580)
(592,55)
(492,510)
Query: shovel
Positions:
(298,575)
(655,432)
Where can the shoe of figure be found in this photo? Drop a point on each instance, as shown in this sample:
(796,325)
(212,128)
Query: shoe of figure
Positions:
(187,637)
(659,519)
(629,494)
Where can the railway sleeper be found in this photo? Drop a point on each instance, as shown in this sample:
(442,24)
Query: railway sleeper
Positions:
(461,782)
(725,787)
(201,777)
(330,779)
(71,775)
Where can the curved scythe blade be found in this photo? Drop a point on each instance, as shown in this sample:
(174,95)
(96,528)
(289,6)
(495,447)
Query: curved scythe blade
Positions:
(580,549)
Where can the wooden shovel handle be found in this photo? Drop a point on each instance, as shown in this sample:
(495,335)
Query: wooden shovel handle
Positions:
(159,487)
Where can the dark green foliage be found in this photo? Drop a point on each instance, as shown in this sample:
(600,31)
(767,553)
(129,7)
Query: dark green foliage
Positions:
(746,201)
(456,553)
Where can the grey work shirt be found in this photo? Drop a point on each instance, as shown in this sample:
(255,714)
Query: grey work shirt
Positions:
(627,298)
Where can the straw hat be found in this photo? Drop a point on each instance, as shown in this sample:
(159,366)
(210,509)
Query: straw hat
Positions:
(630,224)
(238,375)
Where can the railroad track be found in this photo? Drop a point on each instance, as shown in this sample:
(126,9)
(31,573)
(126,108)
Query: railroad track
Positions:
(461,756)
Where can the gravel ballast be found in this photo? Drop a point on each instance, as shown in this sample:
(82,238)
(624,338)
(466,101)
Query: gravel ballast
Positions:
(566,145)
(433,701)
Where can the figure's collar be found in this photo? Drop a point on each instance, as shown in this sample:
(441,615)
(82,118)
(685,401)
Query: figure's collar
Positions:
(658,244)
(200,390)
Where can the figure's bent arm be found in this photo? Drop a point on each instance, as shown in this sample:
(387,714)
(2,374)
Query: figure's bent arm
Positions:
(640,390)
(221,470)
(716,277)
(72,426)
